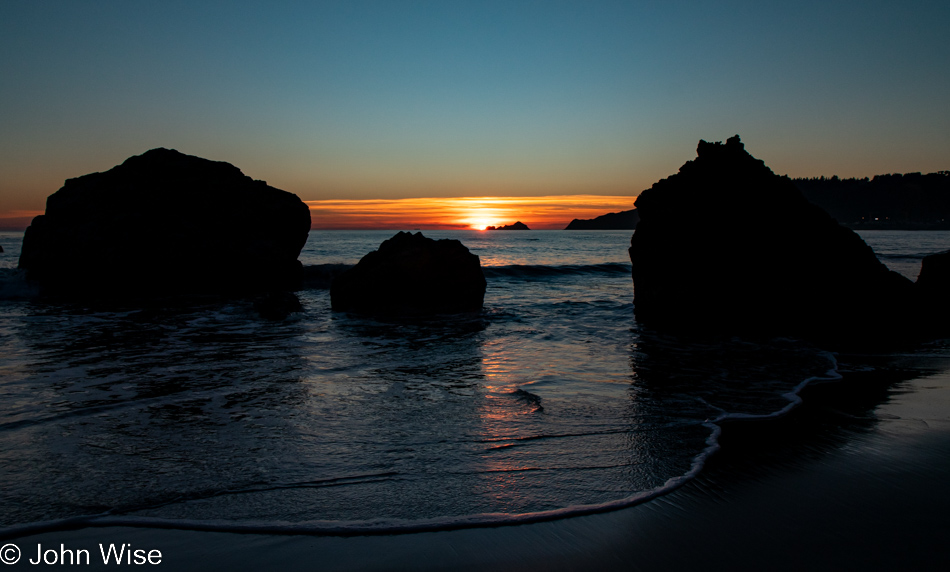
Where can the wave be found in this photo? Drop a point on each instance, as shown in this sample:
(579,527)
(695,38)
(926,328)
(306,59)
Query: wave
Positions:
(389,526)
(14,286)
(904,256)
(539,271)
(320,276)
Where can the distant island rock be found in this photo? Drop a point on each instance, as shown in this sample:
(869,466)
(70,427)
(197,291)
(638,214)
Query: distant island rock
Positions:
(166,223)
(517,226)
(624,220)
(727,246)
(412,275)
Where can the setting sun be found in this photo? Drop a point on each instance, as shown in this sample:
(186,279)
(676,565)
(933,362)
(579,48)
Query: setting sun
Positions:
(481,219)
(548,212)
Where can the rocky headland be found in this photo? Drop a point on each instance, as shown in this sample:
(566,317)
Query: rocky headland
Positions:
(165,223)
(623,220)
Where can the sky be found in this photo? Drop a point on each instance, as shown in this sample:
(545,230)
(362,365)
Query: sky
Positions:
(355,102)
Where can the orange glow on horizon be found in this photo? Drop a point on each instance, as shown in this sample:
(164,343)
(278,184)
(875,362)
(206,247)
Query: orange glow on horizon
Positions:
(539,213)
(17,220)
(481,218)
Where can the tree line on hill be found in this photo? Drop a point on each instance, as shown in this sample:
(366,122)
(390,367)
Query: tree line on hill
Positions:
(909,201)
(895,201)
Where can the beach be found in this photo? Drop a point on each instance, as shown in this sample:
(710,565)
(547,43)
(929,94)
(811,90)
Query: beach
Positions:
(159,432)
(853,479)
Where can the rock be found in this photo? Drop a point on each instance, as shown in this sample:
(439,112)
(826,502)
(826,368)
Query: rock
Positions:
(933,288)
(276,306)
(165,223)
(412,275)
(517,226)
(624,220)
(934,274)
(725,245)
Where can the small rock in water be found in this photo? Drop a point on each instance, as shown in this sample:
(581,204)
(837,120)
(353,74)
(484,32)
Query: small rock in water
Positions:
(412,275)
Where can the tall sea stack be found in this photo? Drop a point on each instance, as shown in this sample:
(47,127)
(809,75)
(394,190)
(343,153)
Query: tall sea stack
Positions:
(726,245)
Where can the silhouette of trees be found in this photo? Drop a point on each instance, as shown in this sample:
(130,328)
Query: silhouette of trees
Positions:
(909,200)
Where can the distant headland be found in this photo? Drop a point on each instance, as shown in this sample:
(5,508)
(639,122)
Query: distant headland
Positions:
(624,220)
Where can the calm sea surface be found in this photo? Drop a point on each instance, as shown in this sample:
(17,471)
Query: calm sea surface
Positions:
(552,399)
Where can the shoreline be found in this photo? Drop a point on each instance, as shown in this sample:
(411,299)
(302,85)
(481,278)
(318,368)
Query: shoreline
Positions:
(850,479)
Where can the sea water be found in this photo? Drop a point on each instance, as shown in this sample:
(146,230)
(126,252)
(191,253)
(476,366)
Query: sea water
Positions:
(551,401)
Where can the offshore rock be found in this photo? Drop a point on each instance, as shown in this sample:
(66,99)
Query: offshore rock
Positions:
(516,226)
(412,275)
(164,223)
(727,246)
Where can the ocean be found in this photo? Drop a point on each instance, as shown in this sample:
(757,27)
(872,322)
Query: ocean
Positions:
(551,402)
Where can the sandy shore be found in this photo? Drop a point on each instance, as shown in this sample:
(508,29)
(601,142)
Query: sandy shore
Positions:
(851,480)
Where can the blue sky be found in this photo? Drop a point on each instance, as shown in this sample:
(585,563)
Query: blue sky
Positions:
(350,100)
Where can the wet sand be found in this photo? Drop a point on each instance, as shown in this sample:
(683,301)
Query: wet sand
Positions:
(854,479)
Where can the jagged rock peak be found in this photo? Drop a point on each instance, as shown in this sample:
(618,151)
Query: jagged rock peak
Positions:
(732,146)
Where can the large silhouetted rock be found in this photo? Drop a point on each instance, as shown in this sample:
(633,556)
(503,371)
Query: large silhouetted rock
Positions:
(412,275)
(166,223)
(725,245)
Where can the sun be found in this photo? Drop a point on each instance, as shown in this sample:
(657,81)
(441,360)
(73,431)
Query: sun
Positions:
(480,219)
(481,224)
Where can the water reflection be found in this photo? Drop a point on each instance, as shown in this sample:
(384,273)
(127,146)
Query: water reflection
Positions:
(209,412)
(117,409)
(565,434)
(710,377)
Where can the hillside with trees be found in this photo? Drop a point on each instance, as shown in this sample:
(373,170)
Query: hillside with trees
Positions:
(909,201)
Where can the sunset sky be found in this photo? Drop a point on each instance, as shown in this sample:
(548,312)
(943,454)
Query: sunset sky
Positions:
(354,102)
(463,213)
